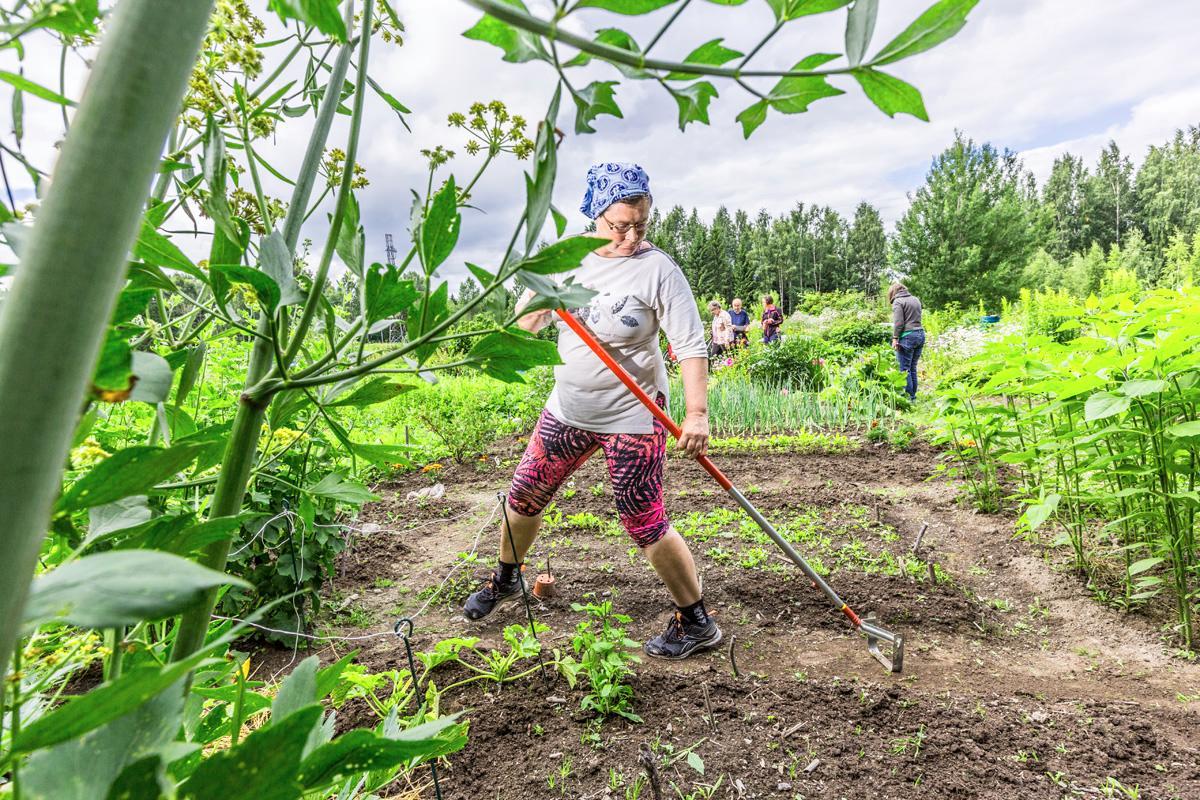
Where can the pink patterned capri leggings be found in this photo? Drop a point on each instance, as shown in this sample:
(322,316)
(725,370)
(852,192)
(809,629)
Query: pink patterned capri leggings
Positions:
(635,469)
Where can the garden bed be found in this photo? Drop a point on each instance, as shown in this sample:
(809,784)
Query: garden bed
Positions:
(1016,683)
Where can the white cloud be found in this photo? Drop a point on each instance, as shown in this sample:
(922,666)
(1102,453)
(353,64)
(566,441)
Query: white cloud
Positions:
(1036,76)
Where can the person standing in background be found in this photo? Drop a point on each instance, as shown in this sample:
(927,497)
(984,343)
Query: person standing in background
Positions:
(908,335)
(722,329)
(772,320)
(740,318)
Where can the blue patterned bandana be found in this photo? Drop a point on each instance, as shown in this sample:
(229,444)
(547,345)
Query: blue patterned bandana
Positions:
(607,183)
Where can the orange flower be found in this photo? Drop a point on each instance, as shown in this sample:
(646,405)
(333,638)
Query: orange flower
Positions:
(431,467)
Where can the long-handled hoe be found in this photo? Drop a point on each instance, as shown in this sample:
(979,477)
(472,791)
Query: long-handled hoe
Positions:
(876,635)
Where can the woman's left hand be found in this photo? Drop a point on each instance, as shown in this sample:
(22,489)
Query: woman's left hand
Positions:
(695,434)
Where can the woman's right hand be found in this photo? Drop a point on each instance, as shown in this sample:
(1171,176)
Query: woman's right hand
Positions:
(536,321)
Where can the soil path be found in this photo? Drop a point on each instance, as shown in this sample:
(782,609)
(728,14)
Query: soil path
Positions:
(1016,683)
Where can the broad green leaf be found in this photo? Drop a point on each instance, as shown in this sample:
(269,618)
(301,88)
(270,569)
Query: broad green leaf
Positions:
(128,512)
(144,778)
(561,256)
(1184,429)
(1036,515)
(337,486)
(1141,388)
(106,702)
(860,25)
(382,454)
(710,53)
(324,15)
(376,390)
(276,262)
(363,750)
(388,295)
(299,689)
(693,102)
(85,768)
(153,377)
(518,45)
(265,289)
(793,9)
(890,94)
(504,355)
(752,117)
(264,766)
(351,241)
(597,98)
(939,22)
(1138,567)
(71,19)
(179,534)
(695,762)
(122,587)
(134,470)
(614,37)
(560,221)
(439,229)
(191,371)
(157,250)
(627,7)
(1103,405)
(23,84)
(794,95)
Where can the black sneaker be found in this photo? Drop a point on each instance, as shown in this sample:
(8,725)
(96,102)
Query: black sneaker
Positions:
(682,639)
(493,593)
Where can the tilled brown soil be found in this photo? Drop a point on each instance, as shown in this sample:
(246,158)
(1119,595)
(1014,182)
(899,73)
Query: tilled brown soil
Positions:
(1016,683)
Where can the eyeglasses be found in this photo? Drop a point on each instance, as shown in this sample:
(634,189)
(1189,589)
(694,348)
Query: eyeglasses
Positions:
(623,228)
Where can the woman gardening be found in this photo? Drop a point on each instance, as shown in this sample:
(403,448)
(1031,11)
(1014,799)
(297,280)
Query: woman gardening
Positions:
(639,290)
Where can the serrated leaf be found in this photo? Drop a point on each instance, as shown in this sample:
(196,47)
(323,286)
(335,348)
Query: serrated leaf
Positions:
(693,102)
(561,256)
(793,95)
(939,22)
(890,94)
(504,354)
(753,116)
(598,97)
(388,294)
(794,9)
(518,45)
(159,251)
(1036,515)
(711,53)
(363,750)
(439,229)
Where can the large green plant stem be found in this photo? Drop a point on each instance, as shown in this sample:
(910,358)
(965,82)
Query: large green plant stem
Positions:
(241,451)
(72,270)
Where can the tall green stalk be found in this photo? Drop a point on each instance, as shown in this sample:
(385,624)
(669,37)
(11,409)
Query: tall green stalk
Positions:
(241,450)
(72,269)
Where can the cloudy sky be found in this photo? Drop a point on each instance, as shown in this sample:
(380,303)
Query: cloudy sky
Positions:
(1035,76)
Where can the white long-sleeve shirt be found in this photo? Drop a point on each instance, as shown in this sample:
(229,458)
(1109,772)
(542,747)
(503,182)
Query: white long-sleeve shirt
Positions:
(636,296)
(722,328)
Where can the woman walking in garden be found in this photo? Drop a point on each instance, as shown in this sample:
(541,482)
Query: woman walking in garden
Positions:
(772,320)
(639,290)
(908,336)
(722,329)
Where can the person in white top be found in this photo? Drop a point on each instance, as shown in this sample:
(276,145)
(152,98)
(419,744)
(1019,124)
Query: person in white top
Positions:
(722,328)
(640,291)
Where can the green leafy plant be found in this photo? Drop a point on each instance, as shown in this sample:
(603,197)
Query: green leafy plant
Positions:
(602,655)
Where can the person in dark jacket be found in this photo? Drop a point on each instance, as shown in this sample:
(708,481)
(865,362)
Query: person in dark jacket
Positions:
(908,335)
(772,320)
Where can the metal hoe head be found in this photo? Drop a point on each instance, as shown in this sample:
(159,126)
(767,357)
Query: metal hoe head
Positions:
(893,662)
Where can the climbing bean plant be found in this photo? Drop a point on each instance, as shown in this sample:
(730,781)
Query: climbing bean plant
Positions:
(107,308)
